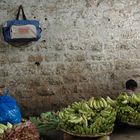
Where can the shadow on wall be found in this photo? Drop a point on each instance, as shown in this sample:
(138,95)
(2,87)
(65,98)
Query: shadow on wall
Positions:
(15,44)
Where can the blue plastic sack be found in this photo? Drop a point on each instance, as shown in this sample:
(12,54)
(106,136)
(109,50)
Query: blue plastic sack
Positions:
(9,111)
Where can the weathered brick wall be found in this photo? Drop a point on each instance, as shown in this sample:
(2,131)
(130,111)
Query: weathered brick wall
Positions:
(88,48)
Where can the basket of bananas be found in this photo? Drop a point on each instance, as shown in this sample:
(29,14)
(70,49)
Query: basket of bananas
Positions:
(87,135)
(92,118)
(46,121)
(128,109)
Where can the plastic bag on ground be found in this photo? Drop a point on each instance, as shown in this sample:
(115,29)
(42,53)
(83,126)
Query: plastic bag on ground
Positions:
(9,111)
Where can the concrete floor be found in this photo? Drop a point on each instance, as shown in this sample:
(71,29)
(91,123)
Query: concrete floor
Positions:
(122,132)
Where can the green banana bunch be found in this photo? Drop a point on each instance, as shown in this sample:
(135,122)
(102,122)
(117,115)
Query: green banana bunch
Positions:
(9,125)
(90,102)
(88,117)
(135,99)
(128,108)
(123,98)
(46,121)
(4,127)
(86,107)
(100,103)
(111,102)
(76,120)
(105,103)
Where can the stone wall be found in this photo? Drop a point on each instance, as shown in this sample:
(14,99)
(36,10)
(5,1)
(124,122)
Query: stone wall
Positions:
(88,48)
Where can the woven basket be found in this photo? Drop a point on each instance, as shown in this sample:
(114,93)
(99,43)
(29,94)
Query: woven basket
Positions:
(131,123)
(87,136)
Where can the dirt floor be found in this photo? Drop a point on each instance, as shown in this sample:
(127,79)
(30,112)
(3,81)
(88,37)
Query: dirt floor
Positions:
(122,132)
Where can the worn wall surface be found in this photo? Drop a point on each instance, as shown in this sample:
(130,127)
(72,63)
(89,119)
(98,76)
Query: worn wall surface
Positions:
(88,48)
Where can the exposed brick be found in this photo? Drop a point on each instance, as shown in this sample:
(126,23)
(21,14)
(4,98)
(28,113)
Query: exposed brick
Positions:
(16,59)
(75,67)
(35,58)
(47,69)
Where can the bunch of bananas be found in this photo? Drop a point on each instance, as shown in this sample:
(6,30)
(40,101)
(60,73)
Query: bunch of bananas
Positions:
(46,121)
(90,117)
(50,118)
(4,127)
(128,108)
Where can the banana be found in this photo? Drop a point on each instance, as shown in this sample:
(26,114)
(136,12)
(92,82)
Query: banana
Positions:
(137,99)
(95,104)
(61,115)
(75,121)
(70,110)
(82,130)
(93,130)
(1,131)
(9,125)
(101,103)
(66,111)
(110,101)
(90,131)
(82,111)
(46,114)
(93,114)
(125,102)
(2,126)
(86,129)
(90,102)
(73,117)
(85,121)
(79,129)
(104,102)
(86,107)
(98,104)
(105,113)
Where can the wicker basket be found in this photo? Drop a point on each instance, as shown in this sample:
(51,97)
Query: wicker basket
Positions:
(131,124)
(87,136)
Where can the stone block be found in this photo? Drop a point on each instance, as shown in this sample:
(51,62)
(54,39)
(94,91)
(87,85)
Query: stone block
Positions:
(48,69)
(75,67)
(55,80)
(3,73)
(23,93)
(96,47)
(76,46)
(97,57)
(61,68)
(54,57)
(70,57)
(122,65)
(71,78)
